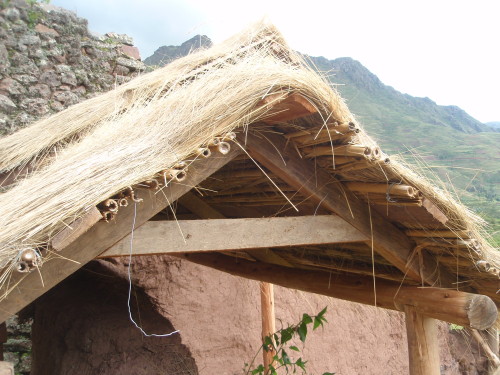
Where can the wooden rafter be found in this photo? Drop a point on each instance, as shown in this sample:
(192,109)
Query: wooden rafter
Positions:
(466,309)
(25,288)
(388,240)
(163,237)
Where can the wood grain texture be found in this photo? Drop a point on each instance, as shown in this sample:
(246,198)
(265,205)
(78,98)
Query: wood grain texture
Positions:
(163,237)
(25,288)
(388,240)
(423,348)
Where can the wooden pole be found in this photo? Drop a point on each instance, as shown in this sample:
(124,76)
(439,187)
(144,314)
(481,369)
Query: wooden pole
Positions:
(492,338)
(268,318)
(465,309)
(423,349)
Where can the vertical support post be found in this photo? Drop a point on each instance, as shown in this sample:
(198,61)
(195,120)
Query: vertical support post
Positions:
(423,350)
(268,318)
(492,339)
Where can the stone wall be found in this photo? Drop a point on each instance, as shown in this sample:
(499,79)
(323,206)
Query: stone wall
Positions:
(49,61)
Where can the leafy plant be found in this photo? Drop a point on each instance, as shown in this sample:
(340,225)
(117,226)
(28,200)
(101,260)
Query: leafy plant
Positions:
(281,343)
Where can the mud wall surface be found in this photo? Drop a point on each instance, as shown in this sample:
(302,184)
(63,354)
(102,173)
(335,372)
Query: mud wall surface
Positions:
(82,327)
(218,316)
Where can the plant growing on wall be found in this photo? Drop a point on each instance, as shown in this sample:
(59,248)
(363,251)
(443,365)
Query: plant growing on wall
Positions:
(281,343)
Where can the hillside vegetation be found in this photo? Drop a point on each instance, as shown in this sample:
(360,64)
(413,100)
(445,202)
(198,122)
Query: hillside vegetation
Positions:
(460,150)
(444,141)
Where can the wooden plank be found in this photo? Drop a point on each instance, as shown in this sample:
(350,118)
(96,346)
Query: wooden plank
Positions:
(268,319)
(423,348)
(75,229)
(465,309)
(25,288)
(162,237)
(205,211)
(388,240)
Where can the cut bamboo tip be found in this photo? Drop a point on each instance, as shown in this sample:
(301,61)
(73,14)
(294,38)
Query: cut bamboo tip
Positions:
(224,148)
(204,152)
(483,265)
(109,205)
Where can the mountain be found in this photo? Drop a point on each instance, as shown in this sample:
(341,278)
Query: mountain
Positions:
(494,124)
(166,54)
(451,145)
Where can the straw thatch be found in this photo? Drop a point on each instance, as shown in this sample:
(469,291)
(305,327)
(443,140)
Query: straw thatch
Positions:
(91,151)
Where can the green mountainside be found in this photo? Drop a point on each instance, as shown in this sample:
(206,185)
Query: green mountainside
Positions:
(454,146)
(460,150)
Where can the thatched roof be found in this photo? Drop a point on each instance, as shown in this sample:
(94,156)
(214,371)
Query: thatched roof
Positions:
(63,166)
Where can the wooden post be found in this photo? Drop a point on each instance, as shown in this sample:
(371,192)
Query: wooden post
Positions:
(492,338)
(423,350)
(268,319)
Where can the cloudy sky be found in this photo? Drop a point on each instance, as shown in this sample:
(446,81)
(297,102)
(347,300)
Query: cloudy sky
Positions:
(447,50)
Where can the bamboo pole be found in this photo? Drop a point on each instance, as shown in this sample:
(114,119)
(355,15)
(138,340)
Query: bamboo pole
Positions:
(268,319)
(423,349)
(398,190)
(344,150)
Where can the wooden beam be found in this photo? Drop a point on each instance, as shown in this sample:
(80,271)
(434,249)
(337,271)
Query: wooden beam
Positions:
(199,207)
(268,319)
(388,240)
(25,288)
(423,348)
(162,237)
(465,309)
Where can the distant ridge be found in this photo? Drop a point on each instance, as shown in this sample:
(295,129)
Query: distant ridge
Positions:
(494,124)
(358,80)
(165,54)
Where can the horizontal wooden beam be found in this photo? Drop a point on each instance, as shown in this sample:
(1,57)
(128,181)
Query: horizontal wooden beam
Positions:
(388,240)
(25,288)
(465,309)
(161,237)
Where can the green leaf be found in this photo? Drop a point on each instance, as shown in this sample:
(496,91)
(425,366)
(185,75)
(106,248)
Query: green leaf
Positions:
(302,331)
(321,313)
(276,339)
(317,323)
(329,373)
(258,370)
(286,335)
(306,319)
(294,348)
(286,358)
(301,364)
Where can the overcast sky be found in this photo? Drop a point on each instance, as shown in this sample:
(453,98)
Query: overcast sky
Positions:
(447,50)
